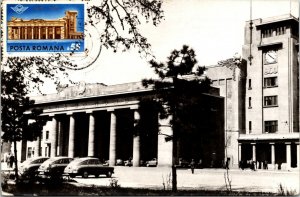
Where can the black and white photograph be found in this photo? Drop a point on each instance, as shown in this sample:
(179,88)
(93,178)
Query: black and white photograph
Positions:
(150,98)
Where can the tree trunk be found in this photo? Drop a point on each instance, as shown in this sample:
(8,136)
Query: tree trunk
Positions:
(174,159)
(16,160)
(174,179)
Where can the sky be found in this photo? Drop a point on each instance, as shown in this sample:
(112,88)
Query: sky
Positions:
(213,28)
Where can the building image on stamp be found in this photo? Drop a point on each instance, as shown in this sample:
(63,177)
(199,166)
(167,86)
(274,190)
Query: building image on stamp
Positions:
(37,29)
(45,27)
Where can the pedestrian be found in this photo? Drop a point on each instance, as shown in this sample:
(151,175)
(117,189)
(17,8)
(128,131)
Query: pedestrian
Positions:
(266,164)
(253,166)
(192,166)
(8,160)
(227,163)
(200,164)
(11,160)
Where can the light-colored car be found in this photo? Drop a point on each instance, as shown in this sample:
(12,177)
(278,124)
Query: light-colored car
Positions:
(151,163)
(28,169)
(88,166)
(128,162)
(119,162)
(54,167)
(183,163)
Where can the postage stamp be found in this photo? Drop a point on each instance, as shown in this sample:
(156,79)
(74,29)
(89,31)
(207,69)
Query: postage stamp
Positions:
(43,27)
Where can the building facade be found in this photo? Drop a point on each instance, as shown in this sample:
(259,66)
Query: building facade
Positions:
(102,121)
(229,78)
(256,110)
(40,29)
(272,92)
(262,94)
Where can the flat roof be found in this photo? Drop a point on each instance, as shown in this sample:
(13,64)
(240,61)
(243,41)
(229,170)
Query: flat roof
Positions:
(277,19)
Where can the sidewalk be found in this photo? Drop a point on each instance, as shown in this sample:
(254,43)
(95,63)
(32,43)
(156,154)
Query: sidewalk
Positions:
(206,179)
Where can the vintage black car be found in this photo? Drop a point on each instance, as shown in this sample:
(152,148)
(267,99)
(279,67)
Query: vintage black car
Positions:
(28,169)
(88,166)
(54,167)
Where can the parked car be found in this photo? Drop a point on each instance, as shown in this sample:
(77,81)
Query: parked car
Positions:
(54,167)
(183,163)
(128,162)
(106,163)
(28,169)
(88,166)
(152,162)
(119,162)
(142,163)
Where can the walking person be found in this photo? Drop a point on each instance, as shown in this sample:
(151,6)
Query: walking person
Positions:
(192,166)
(7,160)
(11,160)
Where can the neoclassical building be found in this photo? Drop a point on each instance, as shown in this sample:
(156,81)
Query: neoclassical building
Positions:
(40,29)
(101,121)
(253,115)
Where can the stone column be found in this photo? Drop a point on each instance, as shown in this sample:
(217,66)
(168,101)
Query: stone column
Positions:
(46,32)
(71,151)
(19,33)
(91,146)
(240,152)
(54,137)
(60,139)
(37,147)
(53,32)
(298,152)
(273,154)
(32,32)
(39,33)
(26,33)
(254,151)
(288,155)
(112,141)
(136,141)
(62,32)
(10,30)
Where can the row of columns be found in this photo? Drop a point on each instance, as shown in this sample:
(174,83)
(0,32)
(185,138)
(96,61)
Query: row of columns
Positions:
(17,33)
(288,153)
(91,138)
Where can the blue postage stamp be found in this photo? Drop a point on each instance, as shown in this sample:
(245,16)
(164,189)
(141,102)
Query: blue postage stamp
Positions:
(44,27)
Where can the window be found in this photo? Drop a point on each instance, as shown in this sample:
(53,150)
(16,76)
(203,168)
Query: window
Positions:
(270,101)
(270,82)
(275,31)
(215,82)
(250,126)
(271,126)
(221,82)
(29,152)
(66,161)
(85,162)
(250,104)
(249,84)
(280,30)
(47,135)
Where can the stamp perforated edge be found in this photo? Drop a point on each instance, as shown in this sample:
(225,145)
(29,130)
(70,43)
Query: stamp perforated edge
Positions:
(4,3)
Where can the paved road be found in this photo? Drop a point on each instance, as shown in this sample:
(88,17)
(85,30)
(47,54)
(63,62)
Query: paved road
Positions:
(243,180)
